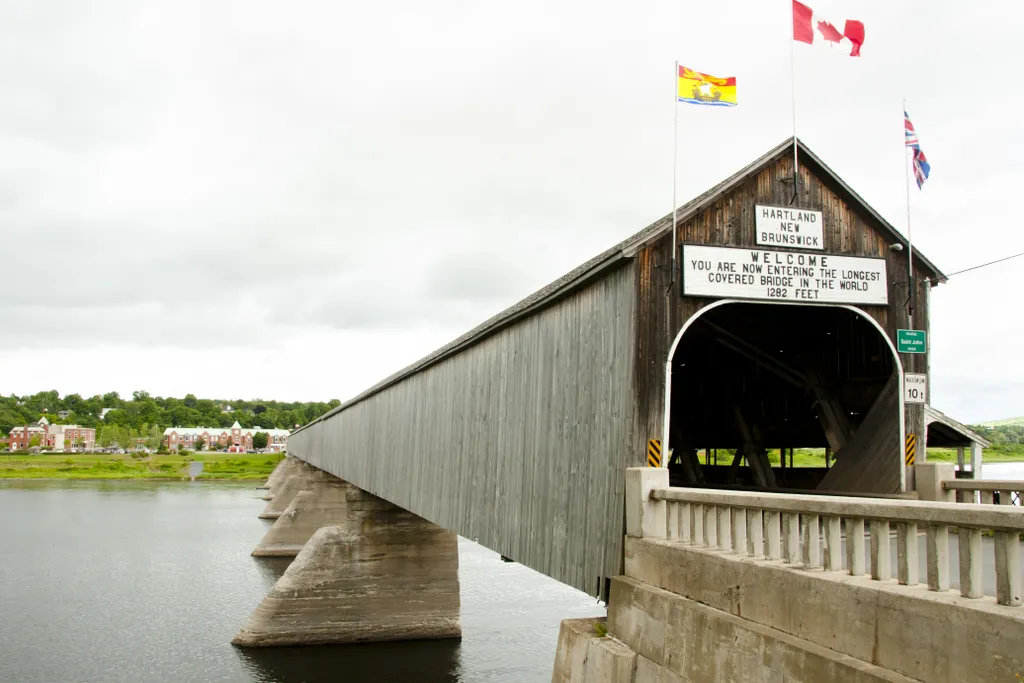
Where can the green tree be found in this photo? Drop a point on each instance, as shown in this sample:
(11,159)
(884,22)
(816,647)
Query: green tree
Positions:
(155,437)
(259,440)
(34,441)
(111,436)
(200,444)
(126,438)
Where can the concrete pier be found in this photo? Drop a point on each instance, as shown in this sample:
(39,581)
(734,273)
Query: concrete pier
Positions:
(282,498)
(385,575)
(280,474)
(270,478)
(322,504)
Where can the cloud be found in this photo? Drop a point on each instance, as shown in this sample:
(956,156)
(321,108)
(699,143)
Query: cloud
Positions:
(269,174)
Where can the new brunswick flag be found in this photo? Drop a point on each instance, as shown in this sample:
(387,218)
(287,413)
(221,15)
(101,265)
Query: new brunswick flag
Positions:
(697,88)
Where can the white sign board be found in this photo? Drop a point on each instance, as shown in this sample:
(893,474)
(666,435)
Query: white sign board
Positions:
(915,388)
(733,273)
(779,226)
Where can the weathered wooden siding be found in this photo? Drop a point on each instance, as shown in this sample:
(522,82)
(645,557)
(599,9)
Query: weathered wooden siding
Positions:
(518,442)
(729,221)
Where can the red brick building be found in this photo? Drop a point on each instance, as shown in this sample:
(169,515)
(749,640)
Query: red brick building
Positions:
(57,437)
(236,439)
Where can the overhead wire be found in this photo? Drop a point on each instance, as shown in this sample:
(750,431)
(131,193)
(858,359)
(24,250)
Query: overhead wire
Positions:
(990,263)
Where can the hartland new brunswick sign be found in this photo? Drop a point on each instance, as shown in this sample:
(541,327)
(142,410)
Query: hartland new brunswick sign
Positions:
(778,226)
(743,273)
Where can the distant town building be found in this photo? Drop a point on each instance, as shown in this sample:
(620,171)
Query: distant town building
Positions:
(236,439)
(57,437)
(63,414)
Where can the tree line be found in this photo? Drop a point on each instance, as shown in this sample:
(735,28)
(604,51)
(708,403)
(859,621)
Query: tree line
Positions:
(1006,434)
(141,415)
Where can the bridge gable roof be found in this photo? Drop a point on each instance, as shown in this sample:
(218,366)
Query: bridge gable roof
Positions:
(622,252)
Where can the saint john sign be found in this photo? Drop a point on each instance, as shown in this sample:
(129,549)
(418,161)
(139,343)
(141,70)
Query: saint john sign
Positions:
(734,273)
(781,227)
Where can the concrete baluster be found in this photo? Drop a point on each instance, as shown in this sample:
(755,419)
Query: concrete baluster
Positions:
(855,563)
(906,553)
(938,557)
(755,533)
(1006,497)
(812,543)
(987,497)
(739,531)
(832,530)
(791,537)
(672,533)
(1009,577)
(970,563)
(881,564)
(710,526)
(697,517)
(684,511)
(725,527)
(773,535)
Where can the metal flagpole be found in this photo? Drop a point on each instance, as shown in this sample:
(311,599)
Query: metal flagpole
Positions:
(910,242)
(675,160)
(792,80)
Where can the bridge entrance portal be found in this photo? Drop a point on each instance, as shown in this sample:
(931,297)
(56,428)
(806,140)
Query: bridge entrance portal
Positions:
(785,397)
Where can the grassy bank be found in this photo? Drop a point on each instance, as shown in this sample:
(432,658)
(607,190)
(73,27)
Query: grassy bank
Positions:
(111,466)
(811,457)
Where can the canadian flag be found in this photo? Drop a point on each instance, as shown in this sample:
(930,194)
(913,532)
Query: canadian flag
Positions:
(811,29)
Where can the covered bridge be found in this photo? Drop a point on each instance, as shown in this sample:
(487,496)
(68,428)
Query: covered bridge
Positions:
(769,324)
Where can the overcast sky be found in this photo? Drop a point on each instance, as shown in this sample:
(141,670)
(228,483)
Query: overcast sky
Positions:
(293,200)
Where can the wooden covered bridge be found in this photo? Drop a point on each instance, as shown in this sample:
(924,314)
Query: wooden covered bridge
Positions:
(766,320)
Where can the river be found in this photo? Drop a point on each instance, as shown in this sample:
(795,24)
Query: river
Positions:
(112,582)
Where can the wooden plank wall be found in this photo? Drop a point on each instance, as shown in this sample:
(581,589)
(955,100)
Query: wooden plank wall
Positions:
(729,221)
(518,442)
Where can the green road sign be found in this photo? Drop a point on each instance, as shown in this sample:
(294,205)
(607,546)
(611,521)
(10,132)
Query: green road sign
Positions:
(911,341)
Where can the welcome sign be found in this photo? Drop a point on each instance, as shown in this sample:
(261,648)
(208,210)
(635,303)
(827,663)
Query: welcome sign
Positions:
(736,273)
(779,226)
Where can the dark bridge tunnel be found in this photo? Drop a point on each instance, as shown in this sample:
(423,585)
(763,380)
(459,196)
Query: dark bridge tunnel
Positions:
(749,380)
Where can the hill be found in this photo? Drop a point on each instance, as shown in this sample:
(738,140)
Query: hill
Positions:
(1009,422)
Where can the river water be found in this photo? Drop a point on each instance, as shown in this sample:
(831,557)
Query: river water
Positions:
(112,582)
(132,582)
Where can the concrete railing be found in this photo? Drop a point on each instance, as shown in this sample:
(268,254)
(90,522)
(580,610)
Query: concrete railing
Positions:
(809,530)
(989,491)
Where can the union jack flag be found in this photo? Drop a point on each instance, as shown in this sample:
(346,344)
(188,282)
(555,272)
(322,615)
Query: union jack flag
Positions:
(921,166)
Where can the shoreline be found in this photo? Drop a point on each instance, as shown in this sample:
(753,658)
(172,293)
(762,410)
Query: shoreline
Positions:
(127,467)
(162,480)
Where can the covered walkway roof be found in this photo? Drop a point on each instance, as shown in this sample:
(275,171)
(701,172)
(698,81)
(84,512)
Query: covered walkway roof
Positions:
(944,431)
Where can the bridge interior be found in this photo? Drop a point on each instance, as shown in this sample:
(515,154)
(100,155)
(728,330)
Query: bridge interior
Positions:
(751,382)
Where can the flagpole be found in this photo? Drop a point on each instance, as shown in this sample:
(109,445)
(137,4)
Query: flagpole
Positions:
(675,160)
(792,80)
(910,242)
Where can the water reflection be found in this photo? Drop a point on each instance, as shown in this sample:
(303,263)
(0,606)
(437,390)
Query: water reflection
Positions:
(428,661)
(132,582)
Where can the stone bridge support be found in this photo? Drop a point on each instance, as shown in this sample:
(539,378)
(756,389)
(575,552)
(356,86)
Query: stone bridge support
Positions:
(298,477)
(290,465)
(322,504)
(380,574)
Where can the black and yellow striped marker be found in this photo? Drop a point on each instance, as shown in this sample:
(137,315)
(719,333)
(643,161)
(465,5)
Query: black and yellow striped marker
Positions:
(654,453)
(911,448)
